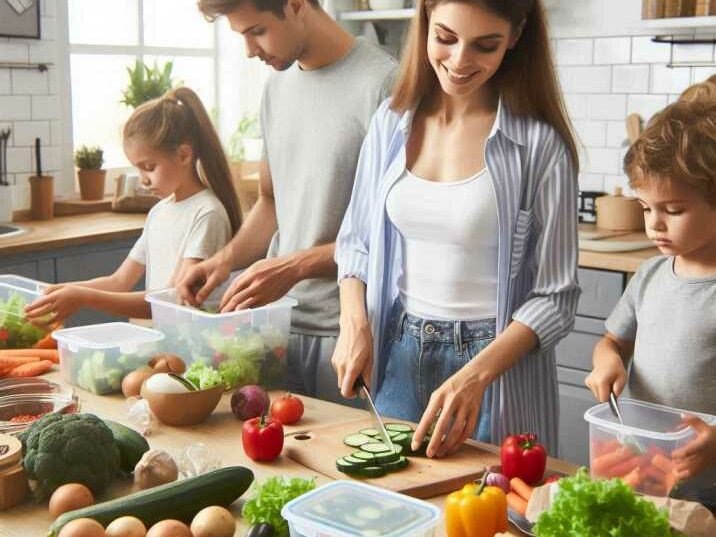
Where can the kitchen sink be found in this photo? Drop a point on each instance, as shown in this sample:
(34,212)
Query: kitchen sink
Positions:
(10,230)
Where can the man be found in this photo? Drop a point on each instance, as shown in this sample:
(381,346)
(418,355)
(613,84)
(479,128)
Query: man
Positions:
(315,112)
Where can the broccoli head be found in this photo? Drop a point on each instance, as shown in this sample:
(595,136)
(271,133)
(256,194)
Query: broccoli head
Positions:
(69,448)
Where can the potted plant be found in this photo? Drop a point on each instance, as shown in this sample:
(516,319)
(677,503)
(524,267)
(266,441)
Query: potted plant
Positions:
(147,83)
(91,176)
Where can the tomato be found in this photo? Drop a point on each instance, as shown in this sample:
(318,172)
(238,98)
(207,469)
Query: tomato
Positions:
(287,409)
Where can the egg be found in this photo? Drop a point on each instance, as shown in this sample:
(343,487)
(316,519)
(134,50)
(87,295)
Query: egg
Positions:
(132,383)
(167,363)
(126,526)
(70,497)
(169,528)
(165,383)
(83,527)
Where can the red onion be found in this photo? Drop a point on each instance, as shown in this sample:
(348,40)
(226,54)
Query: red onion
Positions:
(249,402)
(498,480)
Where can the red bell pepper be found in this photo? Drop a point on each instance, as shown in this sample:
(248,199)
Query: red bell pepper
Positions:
(523,457)
(262,438)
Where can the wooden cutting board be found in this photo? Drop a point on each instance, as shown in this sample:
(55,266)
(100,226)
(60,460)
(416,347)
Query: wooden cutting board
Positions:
(319,448)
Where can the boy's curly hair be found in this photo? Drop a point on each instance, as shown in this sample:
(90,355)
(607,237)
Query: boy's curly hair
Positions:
(678,144)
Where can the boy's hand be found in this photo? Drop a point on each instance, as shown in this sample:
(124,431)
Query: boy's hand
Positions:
(697,455)
(59,303)
(608,374)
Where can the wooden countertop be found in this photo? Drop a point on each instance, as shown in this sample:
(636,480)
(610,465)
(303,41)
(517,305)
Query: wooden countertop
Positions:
(222,433)
(72,230)
(618,261)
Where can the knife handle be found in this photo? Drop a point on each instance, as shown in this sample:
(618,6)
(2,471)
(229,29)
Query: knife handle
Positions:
(359,383)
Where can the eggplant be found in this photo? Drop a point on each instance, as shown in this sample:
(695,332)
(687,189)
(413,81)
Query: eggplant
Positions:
(261,530)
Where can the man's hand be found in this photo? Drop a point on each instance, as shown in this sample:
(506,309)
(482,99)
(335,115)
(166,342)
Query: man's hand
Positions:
(262,283)
(197,282)
(697,455)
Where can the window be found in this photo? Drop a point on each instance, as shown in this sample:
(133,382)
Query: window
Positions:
(107,36)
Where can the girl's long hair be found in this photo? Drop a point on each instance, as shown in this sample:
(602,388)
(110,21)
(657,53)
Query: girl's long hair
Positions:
(526,80)
(178,117)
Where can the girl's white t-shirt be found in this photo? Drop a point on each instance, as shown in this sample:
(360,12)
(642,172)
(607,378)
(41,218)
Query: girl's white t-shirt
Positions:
(194,228)
(449,234)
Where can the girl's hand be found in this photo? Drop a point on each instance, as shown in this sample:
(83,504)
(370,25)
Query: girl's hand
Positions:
(608,374)
(59,303)
(456,406)
(353,355)
(697,455)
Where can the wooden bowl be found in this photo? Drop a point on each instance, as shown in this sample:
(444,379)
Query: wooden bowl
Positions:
(188,408)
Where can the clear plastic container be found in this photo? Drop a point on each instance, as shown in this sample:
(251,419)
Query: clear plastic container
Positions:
(639,452)
(254,339)
(352,509)
(18,412)
(99,356)
(17,292)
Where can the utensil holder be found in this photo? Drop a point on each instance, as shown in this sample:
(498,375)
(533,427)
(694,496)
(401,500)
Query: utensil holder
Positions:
(42,194)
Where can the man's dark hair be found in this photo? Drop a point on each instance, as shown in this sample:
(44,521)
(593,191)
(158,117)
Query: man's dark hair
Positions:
(213,9)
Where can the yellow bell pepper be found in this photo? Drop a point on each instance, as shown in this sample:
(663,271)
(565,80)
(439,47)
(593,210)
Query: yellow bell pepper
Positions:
(476,511)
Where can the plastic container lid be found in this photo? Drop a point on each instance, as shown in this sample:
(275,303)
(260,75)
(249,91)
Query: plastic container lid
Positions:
(125,336)
(23,283)
(645,419)
(351,509)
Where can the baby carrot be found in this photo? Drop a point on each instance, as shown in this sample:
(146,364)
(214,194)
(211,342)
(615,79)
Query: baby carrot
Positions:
(602,463)
(632,478)
(47,342)
(517,503)
(662,463)
(521,488)
(31,369)
(623,468)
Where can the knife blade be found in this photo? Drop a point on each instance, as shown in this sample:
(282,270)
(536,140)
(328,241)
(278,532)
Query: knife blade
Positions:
(382,431)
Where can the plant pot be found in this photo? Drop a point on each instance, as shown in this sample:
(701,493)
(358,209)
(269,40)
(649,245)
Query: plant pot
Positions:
(91,184)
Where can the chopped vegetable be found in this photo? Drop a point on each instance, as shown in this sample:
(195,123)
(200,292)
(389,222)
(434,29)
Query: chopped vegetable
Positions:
(269,498)
(15,331)
(203,375)
(600,507)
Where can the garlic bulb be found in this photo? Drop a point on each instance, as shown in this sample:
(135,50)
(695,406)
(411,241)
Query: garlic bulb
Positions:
(156,467)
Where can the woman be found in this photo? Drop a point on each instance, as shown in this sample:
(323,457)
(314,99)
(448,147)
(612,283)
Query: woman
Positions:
(457,257)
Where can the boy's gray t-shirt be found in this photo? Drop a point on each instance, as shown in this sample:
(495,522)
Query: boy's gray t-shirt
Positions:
(313,125)
(672,321)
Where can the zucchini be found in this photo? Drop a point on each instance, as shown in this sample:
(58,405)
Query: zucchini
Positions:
(180,500)
(357,440)
(131,444)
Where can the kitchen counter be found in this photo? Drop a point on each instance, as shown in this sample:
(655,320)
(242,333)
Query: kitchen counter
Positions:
(66,231)
(618,261)
(222,433)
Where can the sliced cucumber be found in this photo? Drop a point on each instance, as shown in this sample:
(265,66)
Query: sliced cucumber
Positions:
(342,465)
(358,462)
(399,427)
(357,440)
(363,455)
(371,471)
(400,438)
(388,456)
(399,464)
(369,432)
(375,447)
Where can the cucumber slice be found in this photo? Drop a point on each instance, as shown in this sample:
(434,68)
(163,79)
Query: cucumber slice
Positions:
(399,427)
(344,466)
(375,447)
(358,462)
(371,471)
(400,438)
(357,440)
(393,434)
(388,456)
(369,432)
(363,455)
(399,464)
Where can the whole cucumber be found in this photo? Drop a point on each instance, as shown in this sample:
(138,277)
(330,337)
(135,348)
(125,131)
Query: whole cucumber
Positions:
(180,500)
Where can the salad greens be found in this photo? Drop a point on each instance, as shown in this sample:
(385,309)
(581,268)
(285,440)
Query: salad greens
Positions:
(600,507)
(269,498)
(202,375)
(101,372)
(15,331)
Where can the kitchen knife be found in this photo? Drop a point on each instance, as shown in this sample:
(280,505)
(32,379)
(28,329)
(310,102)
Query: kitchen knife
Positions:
(382,431)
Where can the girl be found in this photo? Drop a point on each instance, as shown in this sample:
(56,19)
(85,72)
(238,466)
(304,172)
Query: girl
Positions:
(173,144)
(457,258)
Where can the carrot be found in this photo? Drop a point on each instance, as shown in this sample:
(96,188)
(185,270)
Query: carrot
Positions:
(517,503)
(602,463)
(623,468)
(10,362)
(632,478)
(45,354)
(662,463)
(31,369)
(600,447)
(521,488)
(47,342)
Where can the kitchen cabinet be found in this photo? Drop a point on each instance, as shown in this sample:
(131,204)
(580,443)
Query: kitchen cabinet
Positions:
(601,290)
(70,264)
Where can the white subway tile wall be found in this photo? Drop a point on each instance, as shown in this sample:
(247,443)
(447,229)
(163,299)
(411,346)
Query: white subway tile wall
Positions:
(30,106)
(606,78)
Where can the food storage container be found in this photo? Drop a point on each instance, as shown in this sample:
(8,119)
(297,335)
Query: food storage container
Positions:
(639,451)
(18,412)
(97,357)
(13,481)
(251,342)
(352,509)
(32,385)
(17,292)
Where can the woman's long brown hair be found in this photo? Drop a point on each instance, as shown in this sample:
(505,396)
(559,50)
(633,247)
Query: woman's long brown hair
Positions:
(526,80)
(178,117)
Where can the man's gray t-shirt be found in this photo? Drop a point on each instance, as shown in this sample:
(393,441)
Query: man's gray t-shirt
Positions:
(313,124)
(672,320)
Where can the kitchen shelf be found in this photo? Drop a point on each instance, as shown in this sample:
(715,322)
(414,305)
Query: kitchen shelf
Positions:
(681,24)
(379,15)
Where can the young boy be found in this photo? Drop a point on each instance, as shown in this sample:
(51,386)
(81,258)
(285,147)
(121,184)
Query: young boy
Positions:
(666,318)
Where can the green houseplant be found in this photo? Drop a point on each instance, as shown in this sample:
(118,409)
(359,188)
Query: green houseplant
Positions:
(146,83)
(91,176)
(247,131)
